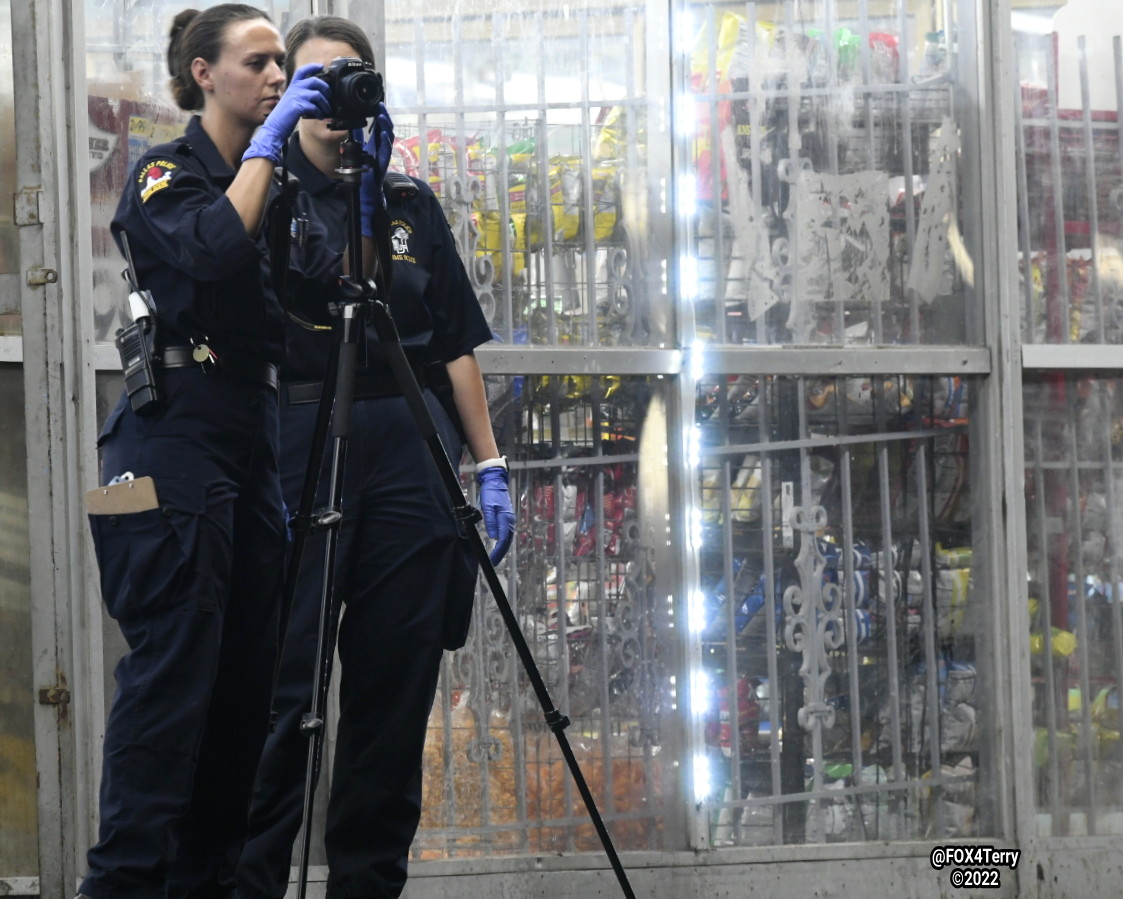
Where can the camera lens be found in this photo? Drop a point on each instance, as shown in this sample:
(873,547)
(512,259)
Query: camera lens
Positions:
(360,91)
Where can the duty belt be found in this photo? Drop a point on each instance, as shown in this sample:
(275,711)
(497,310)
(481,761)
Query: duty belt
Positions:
(368,385)
(263,373)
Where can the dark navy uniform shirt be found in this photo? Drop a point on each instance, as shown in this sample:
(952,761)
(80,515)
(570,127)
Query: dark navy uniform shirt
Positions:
(209,278)
(434,308)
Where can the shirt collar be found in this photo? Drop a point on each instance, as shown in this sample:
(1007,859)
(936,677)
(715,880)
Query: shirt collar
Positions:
(203,147)
(311,178)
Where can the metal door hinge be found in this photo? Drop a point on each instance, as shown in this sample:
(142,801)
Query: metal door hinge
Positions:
(54,695)
(27,206)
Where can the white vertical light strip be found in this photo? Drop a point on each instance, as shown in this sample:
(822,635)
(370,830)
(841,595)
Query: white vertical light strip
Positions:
(688,278)
(702,777)
(699,703)
(696,612)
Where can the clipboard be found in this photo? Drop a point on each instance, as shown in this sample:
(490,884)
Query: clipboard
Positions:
(137,495)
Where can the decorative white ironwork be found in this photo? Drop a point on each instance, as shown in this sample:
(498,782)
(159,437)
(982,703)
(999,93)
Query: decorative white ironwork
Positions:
(813,619)
(459,196)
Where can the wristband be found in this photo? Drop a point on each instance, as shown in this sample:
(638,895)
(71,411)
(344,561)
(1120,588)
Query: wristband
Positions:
(498,462)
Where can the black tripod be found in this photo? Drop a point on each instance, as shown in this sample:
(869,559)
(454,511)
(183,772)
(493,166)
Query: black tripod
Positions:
(362,298)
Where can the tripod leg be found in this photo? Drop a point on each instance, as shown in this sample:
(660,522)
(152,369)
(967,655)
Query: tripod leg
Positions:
(302,519)
(339,413)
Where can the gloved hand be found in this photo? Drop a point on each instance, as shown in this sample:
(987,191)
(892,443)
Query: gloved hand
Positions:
(307,96)
(380,147)
(495,503)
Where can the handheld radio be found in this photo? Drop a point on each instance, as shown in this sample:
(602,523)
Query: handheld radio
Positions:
(136,343)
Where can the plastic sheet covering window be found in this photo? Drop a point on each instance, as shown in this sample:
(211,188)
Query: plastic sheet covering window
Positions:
(1070,173)
(130,110)
(590,486)
(1073,434)
(822,200)
(837,617)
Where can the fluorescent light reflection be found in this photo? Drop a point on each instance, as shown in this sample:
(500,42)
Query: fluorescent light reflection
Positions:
(697,612)
(698,360)
(702,778)
(688,277)
(687,199)
(694,447)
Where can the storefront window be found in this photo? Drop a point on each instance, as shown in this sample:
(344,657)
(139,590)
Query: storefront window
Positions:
(1073,488)
(1070,256)
(838,613)
(588,581)
(531,128)
(827,198)
(1070,169)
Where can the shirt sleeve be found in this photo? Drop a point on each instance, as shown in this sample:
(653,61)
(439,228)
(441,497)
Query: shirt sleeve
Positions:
(187,220)
(459,323)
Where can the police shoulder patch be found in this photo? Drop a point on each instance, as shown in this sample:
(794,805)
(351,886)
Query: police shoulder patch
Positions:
(400,234)
(154,177)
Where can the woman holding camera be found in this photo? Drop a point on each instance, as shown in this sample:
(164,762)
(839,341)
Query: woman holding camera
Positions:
(193,575)
(406,576)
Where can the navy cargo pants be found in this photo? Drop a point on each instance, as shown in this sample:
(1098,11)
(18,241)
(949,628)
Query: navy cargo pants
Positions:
(195,586)
(407,579)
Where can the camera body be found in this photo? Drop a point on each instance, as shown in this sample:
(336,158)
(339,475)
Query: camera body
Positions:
(356,90)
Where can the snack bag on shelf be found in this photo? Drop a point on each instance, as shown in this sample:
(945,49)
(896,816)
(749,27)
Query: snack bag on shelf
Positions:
(952,591)
(565,197)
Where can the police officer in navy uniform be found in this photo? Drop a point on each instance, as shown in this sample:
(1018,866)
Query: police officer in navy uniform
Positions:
(194,583)
(405,575)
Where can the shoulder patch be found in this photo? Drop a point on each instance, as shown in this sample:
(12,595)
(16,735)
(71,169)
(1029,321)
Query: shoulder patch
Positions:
(400,234)
(155,177)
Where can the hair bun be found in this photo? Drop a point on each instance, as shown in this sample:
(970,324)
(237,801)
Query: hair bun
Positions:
(179,25)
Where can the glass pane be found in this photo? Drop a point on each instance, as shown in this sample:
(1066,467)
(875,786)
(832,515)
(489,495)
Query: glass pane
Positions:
(1070,164)
(1074,482)
(9,245)
(530,126)
(837,617)
(826,193)
(130,110)
(19,828)
(584,580)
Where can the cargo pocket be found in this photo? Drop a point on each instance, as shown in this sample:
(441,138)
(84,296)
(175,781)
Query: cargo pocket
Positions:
(461,596)
(146,558)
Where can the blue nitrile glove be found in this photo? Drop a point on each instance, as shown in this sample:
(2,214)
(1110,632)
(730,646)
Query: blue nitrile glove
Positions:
(495,503)
(307,96)
(380,147)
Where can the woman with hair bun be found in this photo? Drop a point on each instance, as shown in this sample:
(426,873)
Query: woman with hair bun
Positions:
(193,574)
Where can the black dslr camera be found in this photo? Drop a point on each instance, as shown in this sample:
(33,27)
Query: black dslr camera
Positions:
(356,91)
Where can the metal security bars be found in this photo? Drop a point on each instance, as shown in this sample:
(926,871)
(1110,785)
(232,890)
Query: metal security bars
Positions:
(822,201)
(531,129)
(1076,638)
(582,580)
(825,200)
(838,693)
(1070,185)
(817,199)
